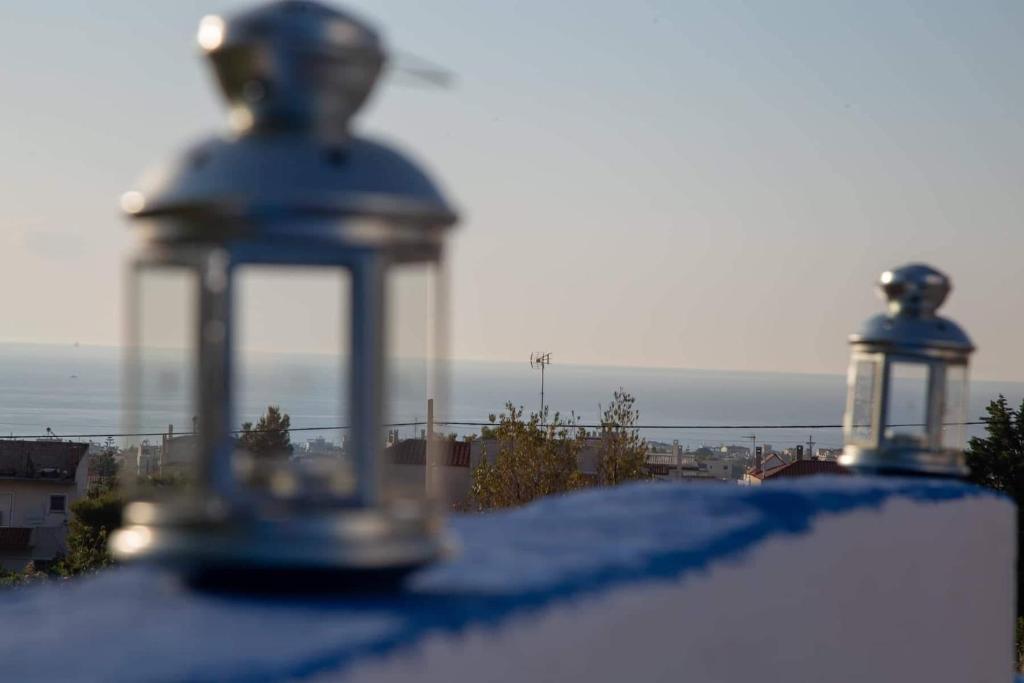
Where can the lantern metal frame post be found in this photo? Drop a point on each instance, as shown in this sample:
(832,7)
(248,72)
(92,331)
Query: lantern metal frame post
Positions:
(291,186)
(909,334)
(212,333)
(215,373)
(367,405)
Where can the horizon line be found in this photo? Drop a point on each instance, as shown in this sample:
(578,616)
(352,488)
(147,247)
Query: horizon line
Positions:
(470,359)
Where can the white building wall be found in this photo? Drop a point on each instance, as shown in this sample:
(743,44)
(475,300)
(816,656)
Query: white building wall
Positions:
(26,503)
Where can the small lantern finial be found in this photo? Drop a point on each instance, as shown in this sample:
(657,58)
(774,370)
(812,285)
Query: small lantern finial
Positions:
(293,65)
(915,289)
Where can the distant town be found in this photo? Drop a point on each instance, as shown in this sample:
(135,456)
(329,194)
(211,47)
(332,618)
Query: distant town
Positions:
(40,480)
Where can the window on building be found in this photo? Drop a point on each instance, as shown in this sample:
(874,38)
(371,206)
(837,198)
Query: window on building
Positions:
(58,503)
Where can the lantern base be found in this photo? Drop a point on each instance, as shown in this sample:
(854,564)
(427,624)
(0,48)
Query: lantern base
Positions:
(338,551)
(905,462)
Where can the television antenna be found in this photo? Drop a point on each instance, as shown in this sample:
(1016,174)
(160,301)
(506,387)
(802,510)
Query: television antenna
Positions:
(540,360)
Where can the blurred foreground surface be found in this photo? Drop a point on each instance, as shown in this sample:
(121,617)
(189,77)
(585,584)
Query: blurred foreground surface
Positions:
(842,579)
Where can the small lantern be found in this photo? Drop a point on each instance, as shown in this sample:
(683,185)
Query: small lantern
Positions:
(907,402)
(292,197)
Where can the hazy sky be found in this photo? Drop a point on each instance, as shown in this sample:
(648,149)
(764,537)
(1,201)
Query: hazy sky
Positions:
(662,183)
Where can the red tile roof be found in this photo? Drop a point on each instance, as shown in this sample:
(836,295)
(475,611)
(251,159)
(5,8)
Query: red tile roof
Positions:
(806,468)
(414,452)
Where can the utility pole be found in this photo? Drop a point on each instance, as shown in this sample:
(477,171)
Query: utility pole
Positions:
(753,451)
(679,458)
(540,360)
(428,451)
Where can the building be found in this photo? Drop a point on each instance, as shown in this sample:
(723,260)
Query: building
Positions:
(178,453)
(688,470)
(320,447)
(405,462)
(39,480)
(146,459)
(741,452)
(829,453)
(756,474)
(406,469)
(720,469)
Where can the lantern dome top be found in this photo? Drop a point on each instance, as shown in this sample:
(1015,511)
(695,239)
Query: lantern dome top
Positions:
(293,64)
(916,289)
(293,73)
(914,293)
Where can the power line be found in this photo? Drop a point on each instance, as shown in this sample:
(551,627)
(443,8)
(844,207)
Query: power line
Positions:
(710,426)
(104,435)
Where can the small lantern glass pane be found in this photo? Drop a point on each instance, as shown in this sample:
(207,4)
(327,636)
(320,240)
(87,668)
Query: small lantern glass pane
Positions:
(291,369)
(415,390)
(907,404)
(861,427)
(161,394)
(954,431)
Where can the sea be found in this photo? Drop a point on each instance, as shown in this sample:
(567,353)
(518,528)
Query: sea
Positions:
(76,392)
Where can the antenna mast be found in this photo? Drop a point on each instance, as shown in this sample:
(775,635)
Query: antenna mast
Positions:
(540,360)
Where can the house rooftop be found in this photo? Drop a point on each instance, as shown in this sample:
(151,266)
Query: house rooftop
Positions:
(414,452)
(52,460)
(806,468)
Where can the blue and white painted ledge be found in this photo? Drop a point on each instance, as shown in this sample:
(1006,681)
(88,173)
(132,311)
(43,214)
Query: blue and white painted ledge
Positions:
(824,579)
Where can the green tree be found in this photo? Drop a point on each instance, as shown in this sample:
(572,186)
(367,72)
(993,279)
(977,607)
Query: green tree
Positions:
(533,460)
(9,579)
(623,453)
(28,576)
(104,470)
(487,433)
(997,461)
(270,437)
(92,520)
(1020,644)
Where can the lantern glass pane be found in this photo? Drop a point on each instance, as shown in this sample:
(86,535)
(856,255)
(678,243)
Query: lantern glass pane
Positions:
(954,431)
(907,412)
(290,382)
(414,465)
(861,428)
(161,457)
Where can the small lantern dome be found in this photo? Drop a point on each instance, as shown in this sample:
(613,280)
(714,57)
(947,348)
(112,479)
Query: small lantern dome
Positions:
(293,73)
(914,293)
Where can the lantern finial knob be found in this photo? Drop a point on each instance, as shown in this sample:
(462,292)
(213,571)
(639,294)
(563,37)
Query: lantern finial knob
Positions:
(914,290)
(293,65)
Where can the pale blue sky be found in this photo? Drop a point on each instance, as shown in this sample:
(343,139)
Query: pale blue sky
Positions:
(664,183)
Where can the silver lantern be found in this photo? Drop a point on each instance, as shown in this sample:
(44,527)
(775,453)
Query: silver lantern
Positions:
(907,401)
(290,232)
